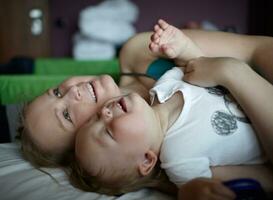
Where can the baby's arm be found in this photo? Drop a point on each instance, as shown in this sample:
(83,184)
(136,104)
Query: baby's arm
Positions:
(251,91)
(135,57)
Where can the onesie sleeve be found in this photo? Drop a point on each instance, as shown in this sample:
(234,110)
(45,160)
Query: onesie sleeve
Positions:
(182,172)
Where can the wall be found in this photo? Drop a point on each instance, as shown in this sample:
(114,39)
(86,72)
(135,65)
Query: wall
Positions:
(16,37)
(64,14)
(178,12)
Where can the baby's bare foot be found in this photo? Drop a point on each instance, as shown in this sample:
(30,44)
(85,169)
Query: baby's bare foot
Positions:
(168,41)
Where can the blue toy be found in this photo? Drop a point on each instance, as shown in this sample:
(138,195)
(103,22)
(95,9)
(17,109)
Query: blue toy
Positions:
(246,189)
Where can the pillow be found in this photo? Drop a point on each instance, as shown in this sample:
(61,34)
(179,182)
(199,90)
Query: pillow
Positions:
(19,180)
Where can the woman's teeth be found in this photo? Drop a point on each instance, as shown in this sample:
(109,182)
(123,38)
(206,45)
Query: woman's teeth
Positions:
(92,92)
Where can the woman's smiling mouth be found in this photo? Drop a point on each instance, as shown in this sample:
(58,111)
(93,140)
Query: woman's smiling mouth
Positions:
(92,91)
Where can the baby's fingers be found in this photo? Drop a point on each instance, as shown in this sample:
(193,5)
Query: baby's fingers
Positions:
(195,77)
(154,47)
(189,77)
(191,65)
(189,72)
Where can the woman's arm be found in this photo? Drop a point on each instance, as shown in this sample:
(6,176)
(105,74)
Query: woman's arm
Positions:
(255,95)
(257,51)
(252,92)
(206,188)
(261,173)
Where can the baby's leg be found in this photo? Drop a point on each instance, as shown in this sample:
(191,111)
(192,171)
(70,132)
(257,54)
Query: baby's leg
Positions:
(168,41)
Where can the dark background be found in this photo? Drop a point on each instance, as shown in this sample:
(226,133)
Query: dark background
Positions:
(60,19)
(64,14)
(61,16)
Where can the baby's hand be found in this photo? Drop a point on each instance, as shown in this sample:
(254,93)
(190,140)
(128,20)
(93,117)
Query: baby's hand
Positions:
(209,72)
(205,189)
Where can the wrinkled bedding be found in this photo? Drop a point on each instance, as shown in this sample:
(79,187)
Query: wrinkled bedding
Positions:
(19,180)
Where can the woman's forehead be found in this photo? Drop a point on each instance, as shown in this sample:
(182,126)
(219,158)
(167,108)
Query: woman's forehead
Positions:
(42,109)
(44,128)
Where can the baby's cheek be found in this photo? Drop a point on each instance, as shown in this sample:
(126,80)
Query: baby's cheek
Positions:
(128,127)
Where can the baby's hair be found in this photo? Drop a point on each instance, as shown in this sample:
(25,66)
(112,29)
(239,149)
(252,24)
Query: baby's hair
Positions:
(128,181)
(33,153)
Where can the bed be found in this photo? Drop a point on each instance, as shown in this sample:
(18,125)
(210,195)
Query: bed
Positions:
(18,179)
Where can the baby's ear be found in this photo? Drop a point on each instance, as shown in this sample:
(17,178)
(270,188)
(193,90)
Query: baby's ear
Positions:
(148,163)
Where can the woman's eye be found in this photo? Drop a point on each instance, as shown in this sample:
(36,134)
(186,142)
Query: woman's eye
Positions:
(97,117)
(67,115)
(57,93)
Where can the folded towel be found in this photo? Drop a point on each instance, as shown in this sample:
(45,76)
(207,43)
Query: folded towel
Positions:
(87,49)
(117,10)
(115,32)
(207,25)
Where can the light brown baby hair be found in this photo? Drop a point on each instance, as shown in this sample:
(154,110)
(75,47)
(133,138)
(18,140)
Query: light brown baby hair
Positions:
(125,181)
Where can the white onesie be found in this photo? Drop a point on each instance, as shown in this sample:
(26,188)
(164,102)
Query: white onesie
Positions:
(211,130)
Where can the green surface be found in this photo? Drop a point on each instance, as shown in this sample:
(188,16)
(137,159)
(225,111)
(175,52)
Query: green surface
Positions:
(48,73)
(66,66)
(22,88)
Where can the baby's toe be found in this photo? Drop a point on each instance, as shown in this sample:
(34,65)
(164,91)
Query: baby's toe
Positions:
(164,25)
(153,47)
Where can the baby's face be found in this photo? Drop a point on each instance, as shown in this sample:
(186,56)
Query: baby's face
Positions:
(117,137)
(54,117)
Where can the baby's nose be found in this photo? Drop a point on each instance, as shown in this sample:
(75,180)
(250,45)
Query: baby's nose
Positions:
(106,113)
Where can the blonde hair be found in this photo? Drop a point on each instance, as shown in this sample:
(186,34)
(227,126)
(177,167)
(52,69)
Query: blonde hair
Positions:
(125,181)
(35,155)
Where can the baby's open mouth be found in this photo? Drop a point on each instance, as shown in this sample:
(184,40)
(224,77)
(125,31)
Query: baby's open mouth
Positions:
(92,91)
(122,104)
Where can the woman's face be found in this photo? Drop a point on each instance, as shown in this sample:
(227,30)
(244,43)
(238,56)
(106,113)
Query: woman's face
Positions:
(54,117)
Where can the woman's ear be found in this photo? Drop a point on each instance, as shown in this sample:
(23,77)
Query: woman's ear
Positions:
(147,163)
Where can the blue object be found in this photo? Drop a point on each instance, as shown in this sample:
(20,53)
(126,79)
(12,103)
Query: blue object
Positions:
(158,67)
(246,189)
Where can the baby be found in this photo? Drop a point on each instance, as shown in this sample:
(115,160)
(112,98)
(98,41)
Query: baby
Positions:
(187,129)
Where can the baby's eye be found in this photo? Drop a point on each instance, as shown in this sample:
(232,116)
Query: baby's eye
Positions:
(109,133)
(57,92)
(67,115)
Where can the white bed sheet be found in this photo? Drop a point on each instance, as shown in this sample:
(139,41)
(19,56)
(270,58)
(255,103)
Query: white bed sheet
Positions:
(19,180)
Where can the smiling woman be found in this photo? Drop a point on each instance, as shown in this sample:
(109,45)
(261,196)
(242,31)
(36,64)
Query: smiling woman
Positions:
(50,121)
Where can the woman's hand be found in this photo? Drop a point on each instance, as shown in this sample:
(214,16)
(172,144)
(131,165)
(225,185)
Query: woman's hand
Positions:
(209,72)
(205,189)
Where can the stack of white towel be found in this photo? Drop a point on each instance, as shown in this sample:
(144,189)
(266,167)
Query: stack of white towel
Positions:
(104,27)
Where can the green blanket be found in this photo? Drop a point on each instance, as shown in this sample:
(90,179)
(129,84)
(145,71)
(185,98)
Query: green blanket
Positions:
(48,73)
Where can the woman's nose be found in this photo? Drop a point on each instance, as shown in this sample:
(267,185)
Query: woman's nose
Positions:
(74,93)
